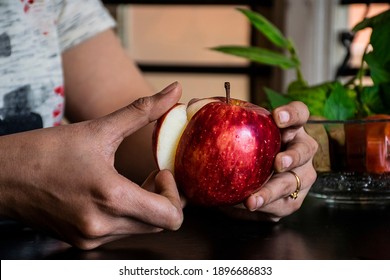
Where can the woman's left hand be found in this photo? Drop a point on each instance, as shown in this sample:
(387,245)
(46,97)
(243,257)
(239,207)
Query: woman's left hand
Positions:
(275,199)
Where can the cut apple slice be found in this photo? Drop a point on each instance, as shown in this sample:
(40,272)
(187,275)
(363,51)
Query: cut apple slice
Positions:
(167,133)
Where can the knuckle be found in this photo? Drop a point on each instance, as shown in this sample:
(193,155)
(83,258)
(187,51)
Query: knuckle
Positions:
(142,105)
(299,112)
(296,156)
(175,219)
(312,144)
(85,244)
(312,175)
(92,228)
(302,111)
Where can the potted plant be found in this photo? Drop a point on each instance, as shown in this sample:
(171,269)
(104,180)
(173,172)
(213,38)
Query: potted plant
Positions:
(349,119)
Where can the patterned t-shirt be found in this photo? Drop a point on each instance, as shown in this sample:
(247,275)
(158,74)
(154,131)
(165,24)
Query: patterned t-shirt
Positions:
(33,34)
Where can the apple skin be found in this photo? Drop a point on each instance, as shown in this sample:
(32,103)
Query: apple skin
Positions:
(226,152)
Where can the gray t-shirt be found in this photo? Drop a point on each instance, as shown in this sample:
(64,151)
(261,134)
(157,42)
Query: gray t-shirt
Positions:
(33,34)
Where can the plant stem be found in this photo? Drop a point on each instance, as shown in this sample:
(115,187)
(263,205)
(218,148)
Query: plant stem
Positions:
(300,75)
(359,87)
(294,56)
(362,71)
(227,90)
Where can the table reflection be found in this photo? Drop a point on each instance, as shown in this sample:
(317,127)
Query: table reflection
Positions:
(316,231)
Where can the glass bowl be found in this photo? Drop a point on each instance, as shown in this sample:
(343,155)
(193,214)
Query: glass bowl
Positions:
(352,161)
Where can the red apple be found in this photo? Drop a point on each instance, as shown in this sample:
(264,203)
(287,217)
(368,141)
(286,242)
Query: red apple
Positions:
(220,149)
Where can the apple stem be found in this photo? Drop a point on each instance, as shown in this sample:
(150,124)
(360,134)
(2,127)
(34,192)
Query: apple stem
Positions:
(227,89)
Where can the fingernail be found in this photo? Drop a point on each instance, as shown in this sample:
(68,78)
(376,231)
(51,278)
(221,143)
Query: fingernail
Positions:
(284,117)
(286,161)
(259,203)
(169,88)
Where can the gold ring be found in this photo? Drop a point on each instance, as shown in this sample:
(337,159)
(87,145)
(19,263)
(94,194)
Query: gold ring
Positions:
(294,195)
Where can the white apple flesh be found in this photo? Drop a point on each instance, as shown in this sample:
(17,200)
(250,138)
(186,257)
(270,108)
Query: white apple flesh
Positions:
(167,133)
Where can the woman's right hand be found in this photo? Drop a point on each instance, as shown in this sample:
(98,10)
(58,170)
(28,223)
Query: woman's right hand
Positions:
(63,179)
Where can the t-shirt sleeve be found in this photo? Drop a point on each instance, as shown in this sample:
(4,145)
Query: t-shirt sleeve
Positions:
(81,20)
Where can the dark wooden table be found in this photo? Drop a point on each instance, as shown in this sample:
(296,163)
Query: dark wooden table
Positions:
(316,231)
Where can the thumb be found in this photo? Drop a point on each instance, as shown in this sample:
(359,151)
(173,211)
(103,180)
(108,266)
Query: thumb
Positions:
(143,111)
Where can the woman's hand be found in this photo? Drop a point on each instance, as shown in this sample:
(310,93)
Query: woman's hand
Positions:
(273,200)
(63,179)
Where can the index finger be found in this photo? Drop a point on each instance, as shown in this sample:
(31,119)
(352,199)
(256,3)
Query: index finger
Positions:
(300,148)
(160,209)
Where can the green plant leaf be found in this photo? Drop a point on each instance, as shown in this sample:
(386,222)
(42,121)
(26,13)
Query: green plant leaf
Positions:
(296,86)
(373,21)
(314,97)
(372,101)
(259,55)
(384,93)
(379,41)
(378,59)
(341,104)
(379,69)
(380,44)
(275,98)
(264,26)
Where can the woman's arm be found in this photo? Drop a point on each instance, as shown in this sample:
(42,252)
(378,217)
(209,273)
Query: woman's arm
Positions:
(100,78)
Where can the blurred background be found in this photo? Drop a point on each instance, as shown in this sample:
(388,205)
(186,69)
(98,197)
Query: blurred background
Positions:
(171,40)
